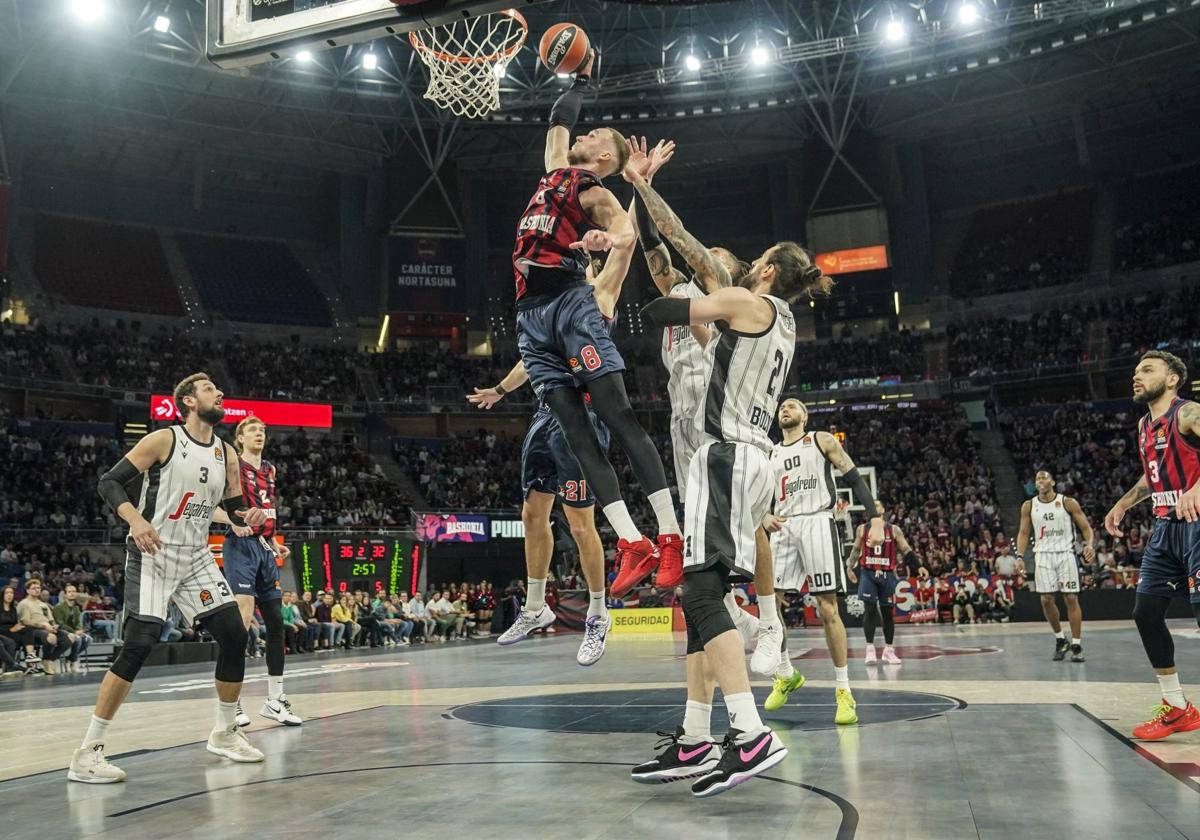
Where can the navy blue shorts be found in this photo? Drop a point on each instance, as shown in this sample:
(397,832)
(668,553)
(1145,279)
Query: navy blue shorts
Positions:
(877,585)
(1171,561)
(549,466)
(250,568)
(565,342)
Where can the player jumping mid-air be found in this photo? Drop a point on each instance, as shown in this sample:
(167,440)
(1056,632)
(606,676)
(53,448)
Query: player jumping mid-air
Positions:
(1052,518)
(1169,445)
(187,472)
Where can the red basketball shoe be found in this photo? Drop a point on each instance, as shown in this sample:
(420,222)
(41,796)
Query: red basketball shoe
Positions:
(1167,720)
(670,571)
(637,562)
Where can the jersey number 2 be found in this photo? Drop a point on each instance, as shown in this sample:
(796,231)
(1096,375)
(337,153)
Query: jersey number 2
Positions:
(779,360)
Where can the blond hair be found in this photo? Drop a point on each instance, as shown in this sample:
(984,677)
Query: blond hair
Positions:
(250,420)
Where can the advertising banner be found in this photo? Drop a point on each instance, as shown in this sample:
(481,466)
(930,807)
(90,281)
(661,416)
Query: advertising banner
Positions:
(307,415)
(426,274)
(853,259)
(452,527)
(637,621)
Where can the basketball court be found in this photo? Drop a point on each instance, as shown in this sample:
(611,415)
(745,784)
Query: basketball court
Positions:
(977,734)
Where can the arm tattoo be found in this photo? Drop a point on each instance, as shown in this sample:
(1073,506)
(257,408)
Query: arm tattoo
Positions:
(659,262)
(1137,493)
(1189,414)
(708,270)
(837,456)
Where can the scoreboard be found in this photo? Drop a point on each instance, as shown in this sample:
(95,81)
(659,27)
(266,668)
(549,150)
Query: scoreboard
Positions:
(344,564)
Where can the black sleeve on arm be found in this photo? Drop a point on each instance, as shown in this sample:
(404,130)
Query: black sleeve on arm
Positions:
(668,311)
(230,507)
(111,486)
(567,107)
(647,230)
(862,493)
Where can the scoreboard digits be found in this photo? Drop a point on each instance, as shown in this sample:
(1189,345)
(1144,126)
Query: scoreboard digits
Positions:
(372,563)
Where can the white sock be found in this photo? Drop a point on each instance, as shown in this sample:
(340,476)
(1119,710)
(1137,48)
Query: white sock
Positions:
(743,714)
(226,714)
(596,604)
(664,511)
(841,677)
(274,687)
(1074,641)
(618,517)
(767,614)
(785,669)
(536,595)
(696,719)
(1061,635)
(1172,691)
(97,732)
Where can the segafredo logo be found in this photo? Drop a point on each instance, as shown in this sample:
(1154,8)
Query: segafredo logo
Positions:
(191,510)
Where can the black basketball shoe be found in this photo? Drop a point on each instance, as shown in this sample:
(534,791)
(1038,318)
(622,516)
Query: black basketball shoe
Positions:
(1060,649)
(1077,653)
(678,760)
(741,762)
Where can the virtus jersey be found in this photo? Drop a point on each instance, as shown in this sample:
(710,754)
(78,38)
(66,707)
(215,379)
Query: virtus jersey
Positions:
(1170,459)
(178,495)
(1053,528)
(803,478)
(683,357)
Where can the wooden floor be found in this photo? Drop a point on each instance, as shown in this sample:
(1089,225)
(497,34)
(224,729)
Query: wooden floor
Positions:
(977,734)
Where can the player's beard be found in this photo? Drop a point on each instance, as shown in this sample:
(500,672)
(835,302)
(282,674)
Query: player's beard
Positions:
(792,425)
(576,158)
(212,415)
(1149,395)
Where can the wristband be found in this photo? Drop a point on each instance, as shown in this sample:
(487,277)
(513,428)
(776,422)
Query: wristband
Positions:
(230,507)
(500,390)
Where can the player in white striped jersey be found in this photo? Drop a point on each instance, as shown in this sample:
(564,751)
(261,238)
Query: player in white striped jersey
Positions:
(1052,518)
(683,345)
(805,542)
(729,488)
(188,472)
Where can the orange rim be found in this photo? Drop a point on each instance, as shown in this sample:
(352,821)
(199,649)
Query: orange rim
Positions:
(414,38)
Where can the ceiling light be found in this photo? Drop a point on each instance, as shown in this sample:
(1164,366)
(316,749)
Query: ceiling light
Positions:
(89,11)
(759,56)
(162,23)
(691,63)
(968,13)
(500,70)
(304,55)
(894,31)
(370,61)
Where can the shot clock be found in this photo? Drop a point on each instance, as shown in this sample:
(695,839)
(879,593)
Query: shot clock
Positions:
(345,564)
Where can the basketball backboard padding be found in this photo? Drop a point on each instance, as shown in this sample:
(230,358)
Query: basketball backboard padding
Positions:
(242,33)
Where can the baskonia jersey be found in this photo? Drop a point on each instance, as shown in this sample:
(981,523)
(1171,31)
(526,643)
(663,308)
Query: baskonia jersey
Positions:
(744,377)
(178,495)
(683,357)
(258,490)
(882,557)
(1053,530)
(553,220)
(1170,459)
(804,481)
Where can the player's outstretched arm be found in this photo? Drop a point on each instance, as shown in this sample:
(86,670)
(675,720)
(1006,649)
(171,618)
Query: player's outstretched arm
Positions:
(739,308)
(1026,528)
(563,116)
(1135,495)
(708,269)
(842,462)
(658,257)
(611,279)
(154,448)
(1085,529)
(488,397)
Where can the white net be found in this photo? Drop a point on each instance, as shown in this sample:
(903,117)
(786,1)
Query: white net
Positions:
(467,59)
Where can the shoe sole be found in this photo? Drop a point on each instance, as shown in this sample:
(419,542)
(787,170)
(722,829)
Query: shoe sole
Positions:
(676,774)
(232,756)
(640,574)
(72,776)
(603,648)
(1191,728)
(847,722)
(738,778)
(277,720)
(243,725)
(525,636)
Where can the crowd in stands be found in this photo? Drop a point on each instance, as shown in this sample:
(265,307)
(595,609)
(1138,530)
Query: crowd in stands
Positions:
(25,352)
(1019,246)
(480,470)
(1047,340)
(1159,222)
(293,371)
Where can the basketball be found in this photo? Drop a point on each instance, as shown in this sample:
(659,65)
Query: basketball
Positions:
(564,48)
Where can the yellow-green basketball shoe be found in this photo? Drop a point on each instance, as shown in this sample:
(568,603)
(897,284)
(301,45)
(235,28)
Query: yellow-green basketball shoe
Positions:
(781,689)
(846,713)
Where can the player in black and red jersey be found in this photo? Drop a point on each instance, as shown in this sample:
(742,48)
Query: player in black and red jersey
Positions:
(877,583)
(1169,444)
(563,340)
(251,568)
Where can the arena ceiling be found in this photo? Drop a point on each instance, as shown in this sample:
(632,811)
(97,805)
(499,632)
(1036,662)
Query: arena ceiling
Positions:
(122,95)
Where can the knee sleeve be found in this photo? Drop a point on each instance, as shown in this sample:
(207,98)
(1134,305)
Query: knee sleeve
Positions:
(704,597)
(569,411)
(1150,616)
(889,621)
(272,612)
(226,628)
(139,637)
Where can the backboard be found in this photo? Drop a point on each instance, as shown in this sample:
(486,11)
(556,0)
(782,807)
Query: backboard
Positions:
(246,32)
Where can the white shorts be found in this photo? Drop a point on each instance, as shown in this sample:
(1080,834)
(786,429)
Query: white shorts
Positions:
(729,492)
(1055,572)
(809,548)
(685,440)
(189,576)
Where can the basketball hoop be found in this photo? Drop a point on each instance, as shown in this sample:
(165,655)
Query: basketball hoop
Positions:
(466,59)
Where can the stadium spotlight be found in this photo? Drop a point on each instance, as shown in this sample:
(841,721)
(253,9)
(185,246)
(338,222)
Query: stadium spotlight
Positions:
(759,56)
(304,55)
(691,63)
(968,13)
(500,69)
(162,23)
(894,31)
(370,61)
(89,11)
